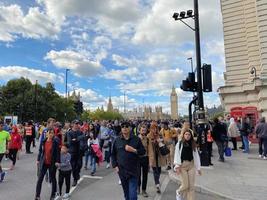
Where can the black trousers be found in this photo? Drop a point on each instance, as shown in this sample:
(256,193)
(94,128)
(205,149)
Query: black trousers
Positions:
(13,155)
(143,173)
(52,173)
(234,143)
(209,146)
(64,175)
(156,174)
(28,139)
(76,164)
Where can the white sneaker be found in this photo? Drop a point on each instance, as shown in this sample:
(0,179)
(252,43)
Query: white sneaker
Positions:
(264,158)
(249,143)
(57,197)
(66,196)
(260,156)
(119,182)
(178,196)
(108,166)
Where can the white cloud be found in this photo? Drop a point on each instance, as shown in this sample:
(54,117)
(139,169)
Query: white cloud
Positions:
(35,24)
(77,62)
(111,15)
(122,75)
(12,72)
(158,26)
(158,82)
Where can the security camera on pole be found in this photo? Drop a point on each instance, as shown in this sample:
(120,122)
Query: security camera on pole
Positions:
(190,85)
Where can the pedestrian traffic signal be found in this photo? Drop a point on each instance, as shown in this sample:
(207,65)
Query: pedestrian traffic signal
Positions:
(78,107)
(207,78)
(189,84)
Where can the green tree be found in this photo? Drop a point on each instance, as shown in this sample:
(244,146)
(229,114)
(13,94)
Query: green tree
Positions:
(18,98)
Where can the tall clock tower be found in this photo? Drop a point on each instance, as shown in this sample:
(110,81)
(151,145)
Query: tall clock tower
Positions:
(174,104)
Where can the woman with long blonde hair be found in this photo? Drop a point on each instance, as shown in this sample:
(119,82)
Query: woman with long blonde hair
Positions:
(186,162)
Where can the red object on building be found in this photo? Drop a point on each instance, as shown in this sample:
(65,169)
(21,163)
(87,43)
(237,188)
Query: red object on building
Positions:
(244,112)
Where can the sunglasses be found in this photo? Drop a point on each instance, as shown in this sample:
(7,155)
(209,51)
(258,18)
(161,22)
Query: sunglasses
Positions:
(124,126)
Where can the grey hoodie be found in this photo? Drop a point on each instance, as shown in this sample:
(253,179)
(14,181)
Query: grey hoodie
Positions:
(65,162)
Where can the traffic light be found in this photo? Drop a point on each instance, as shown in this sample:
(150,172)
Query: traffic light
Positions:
(207,78)
(189,84)
(78,107)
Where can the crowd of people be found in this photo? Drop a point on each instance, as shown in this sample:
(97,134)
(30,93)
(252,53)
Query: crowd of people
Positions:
(131,147)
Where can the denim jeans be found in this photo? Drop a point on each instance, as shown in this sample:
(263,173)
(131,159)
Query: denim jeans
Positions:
(86,157)
(129,186)
(93,163)
(246,143)
(220,146)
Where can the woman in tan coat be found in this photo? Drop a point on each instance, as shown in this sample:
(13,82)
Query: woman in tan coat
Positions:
(156,160)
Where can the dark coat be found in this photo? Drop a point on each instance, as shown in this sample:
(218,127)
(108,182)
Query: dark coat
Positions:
(219,132)
(55,152)
(127,162)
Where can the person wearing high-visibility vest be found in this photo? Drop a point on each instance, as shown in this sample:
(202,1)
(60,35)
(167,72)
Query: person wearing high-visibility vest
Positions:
(29,133)
(209,146)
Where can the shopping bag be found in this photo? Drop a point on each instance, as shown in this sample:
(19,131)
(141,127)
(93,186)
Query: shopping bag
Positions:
(228,152)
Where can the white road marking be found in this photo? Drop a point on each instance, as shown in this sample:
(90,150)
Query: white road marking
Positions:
(81,179)
(163,187)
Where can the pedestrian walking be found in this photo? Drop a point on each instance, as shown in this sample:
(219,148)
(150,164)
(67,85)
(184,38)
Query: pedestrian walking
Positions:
(93,145)
(73,143)
(219,134)
(156,160)
(4,139)
(48,160)
(14,145)
(186,161)
(64,172)
(144,162)
(169,139)
(125,159)
(29,134)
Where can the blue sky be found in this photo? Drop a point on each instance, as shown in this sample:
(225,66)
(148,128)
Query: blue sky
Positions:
(110,47)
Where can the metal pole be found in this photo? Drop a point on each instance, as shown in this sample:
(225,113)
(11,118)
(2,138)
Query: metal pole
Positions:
(201,128)
(35,101)
(198,58)
(66,89)
(191,61)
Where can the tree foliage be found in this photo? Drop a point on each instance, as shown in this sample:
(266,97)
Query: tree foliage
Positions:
(33,101)
(101,115)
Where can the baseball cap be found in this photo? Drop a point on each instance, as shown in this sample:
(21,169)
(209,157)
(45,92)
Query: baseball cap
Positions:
(76,121)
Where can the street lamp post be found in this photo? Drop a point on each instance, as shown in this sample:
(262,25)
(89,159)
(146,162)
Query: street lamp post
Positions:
(201,126)
(66,89)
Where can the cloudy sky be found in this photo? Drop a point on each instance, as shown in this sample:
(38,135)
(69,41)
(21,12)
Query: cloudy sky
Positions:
(110,47)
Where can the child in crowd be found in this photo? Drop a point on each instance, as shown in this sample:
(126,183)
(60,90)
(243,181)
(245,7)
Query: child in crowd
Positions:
(64,171)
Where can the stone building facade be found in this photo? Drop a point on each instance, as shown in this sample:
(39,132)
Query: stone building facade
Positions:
(245,41)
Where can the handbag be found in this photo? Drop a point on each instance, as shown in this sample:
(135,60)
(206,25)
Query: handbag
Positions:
(228,152)
(164,150)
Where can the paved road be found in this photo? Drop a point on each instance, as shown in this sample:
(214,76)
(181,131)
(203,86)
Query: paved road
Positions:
(20,184)
(169,193)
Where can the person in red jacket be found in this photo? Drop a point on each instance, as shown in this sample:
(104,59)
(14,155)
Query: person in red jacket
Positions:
(14,145)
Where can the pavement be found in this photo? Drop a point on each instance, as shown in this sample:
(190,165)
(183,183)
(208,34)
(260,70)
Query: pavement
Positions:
(241,177)
(20,184)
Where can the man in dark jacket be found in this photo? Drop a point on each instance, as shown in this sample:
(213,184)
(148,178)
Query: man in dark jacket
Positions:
(261,132)
(74,137)
(219,134)
(48,159)
(125,158)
